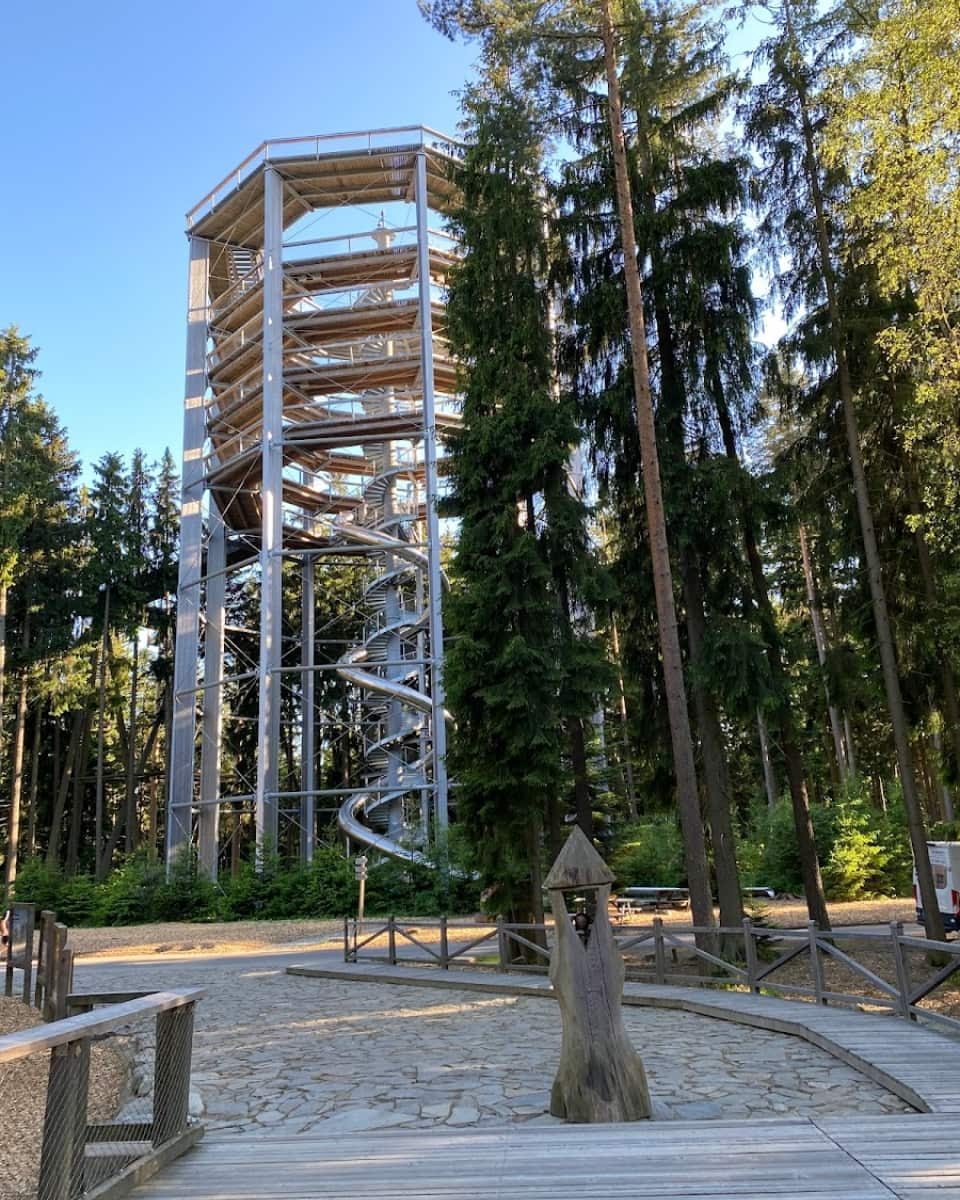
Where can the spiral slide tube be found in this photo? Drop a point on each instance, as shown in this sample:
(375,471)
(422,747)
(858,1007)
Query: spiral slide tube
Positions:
(381,692)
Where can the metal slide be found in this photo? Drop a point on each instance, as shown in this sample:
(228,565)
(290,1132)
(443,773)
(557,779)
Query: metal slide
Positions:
(395,699)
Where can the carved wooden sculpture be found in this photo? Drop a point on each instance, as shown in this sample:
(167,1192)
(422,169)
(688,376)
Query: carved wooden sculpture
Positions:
(601,1076)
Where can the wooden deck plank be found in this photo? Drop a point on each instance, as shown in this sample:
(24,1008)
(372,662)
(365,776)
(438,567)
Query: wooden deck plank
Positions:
(788,1160)
(869,1158)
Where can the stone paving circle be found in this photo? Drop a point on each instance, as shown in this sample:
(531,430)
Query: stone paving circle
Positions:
(288,1055)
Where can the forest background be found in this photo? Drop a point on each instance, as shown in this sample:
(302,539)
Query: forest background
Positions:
(808,491)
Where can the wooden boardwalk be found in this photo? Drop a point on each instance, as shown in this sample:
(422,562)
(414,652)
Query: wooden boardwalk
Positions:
(914,1157)
(914,1062)
(876,1158)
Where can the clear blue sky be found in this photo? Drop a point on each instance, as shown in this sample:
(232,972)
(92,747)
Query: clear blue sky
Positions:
(119,116)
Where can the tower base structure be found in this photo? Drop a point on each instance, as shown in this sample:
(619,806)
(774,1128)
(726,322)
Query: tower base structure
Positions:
(309,638)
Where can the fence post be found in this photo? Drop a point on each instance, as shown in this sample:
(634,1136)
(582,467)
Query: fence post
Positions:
(816,966)
(903,979)
(47,920)
(346,939)
(750,955)
(392,940)
(659,959)
(171,1082)
(502,945)
(55,945)
(31,922)
(8,968)
(65,1123)
(64,987)
(444,954)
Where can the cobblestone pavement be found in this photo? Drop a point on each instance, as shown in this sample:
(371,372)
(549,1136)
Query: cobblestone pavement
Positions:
(288,1054)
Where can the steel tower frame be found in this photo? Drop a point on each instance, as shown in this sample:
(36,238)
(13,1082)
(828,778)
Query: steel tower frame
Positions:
(318,381)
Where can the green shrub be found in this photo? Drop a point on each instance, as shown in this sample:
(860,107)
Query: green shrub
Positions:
(187,893)
(870,853)
(129,895)
(37,884)
(863,851)
(330,889)
(77,902)
(650,854)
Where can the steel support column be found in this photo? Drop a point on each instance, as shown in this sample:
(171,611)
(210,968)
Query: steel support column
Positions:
(271,502)
(435,584)
(183,736)
(211,730)
(308,693)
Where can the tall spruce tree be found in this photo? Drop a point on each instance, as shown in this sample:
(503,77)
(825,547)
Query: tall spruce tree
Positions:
(514,645)
(558,49)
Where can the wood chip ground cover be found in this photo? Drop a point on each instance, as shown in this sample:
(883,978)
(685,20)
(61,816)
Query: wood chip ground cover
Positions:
(23,1090)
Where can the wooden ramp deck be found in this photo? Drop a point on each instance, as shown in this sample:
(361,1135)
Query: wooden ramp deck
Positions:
(876,1158)
(915,1157)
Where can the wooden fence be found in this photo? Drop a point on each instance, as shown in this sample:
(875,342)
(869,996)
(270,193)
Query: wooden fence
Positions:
(39,950)
(902,970)
(103,1159)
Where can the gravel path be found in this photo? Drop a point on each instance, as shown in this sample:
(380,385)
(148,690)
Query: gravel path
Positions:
(287,1054)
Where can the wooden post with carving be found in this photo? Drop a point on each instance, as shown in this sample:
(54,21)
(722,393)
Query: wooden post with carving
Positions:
(600,1077)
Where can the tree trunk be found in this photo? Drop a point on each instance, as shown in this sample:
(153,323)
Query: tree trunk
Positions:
(946,795)
(698,881)
(101,729)
(624,726)
(933,922)
(76,809)
(820,640)
(581,788)
(4,594)
(715,773)
(783,714)
(554,825)
(132,807)
(63,787)
(34,781)
(16,778)
(948,681)
(769,776)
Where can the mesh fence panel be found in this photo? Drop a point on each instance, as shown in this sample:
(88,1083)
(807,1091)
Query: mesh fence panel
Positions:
(74,1117)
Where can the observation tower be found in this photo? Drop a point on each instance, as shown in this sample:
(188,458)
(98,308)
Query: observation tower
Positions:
(308,681)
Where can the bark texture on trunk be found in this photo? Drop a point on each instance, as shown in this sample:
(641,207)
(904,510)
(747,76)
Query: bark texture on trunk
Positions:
(782,714)
(820,640)
(701,902)
(716,776)
(16,776)
(133,816)
(769,775)
(34,780)
(101,732)
(581,788)
(628,781)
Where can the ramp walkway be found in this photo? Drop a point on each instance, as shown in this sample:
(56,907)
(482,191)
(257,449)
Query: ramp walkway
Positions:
(879,1158)
(910,1157)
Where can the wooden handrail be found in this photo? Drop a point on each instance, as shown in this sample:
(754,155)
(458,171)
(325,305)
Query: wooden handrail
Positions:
(91,1024)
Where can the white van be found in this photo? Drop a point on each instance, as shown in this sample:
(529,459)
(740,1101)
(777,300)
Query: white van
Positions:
(945,861)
